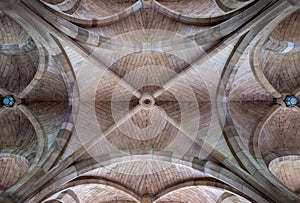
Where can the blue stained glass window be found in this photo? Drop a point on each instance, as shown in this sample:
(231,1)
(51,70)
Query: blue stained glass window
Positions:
(291,101)
(8,101)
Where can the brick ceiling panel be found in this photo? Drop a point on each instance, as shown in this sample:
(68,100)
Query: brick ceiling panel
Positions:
(46,94)
(246,117)
(147,18)
(12,168)
(134,61)
(146,177)
(288,29)
(20,69)
(287,170)
(281,70)
(285,131)
(203,8)
(11,32)
(17,131)
(192,194)
(98,9)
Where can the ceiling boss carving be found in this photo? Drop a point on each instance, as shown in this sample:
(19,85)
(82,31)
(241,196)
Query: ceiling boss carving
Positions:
(149,101)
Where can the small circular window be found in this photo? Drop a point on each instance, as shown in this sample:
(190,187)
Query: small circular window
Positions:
(8,101)
(291,101)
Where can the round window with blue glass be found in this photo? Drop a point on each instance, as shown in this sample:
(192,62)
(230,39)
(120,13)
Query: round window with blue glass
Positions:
(291,101)
(8,101)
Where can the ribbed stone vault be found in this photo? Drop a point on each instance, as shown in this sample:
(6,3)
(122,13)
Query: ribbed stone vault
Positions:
(143,101)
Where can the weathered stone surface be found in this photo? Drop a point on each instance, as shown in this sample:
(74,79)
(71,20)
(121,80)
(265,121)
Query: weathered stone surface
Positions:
(149,101)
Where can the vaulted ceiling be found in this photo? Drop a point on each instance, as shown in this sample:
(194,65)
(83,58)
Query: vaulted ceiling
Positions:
(116,101)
